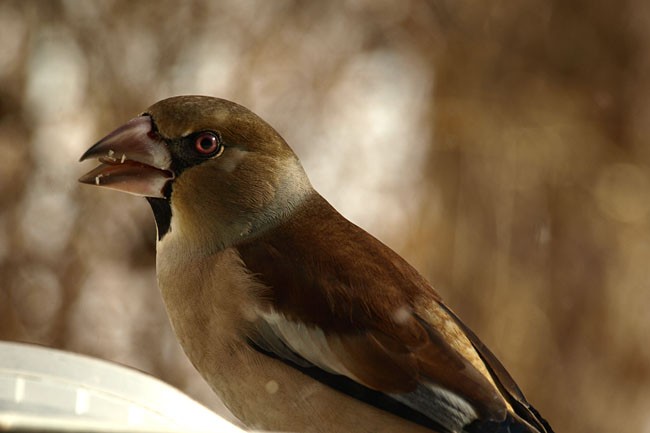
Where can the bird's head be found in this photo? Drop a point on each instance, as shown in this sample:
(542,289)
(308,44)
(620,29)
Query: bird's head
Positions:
(210,168)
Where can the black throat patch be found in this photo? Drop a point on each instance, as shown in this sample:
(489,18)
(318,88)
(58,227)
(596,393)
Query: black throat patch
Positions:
(162,212)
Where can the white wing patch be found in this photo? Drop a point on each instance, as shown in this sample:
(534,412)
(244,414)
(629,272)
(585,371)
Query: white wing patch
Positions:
(309,342)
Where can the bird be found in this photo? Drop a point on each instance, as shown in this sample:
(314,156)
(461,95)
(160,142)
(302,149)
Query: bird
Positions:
(298,319)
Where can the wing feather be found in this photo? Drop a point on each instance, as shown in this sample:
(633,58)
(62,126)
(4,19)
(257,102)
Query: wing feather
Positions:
(341,302)
(365,360)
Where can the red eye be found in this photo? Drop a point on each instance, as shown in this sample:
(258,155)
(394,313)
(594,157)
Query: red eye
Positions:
(207,143)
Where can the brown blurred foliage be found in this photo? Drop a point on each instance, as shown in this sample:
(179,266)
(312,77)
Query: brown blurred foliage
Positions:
(502,147)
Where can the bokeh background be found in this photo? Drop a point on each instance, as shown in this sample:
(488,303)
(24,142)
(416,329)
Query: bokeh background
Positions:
(501,147)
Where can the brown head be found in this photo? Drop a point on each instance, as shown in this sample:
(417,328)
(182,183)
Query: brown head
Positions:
(210,168)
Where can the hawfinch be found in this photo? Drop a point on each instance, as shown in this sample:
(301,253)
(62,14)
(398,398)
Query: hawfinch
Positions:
(298,319)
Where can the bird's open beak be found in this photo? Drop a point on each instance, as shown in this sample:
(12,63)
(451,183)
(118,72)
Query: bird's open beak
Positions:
(133,158)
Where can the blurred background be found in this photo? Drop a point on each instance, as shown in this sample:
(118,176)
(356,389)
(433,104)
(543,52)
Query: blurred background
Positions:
(501,147)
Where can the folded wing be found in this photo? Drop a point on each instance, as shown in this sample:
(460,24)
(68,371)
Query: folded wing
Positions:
(346,310)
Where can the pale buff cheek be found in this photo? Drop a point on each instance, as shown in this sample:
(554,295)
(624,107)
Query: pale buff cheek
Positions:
(198,213)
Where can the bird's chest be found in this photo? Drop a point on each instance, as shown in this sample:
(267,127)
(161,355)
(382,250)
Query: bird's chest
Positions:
(211,303)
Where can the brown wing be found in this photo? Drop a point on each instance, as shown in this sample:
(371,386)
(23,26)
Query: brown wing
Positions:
(346,303)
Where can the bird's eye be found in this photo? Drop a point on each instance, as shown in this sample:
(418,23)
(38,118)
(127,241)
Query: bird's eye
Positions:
(207,143)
